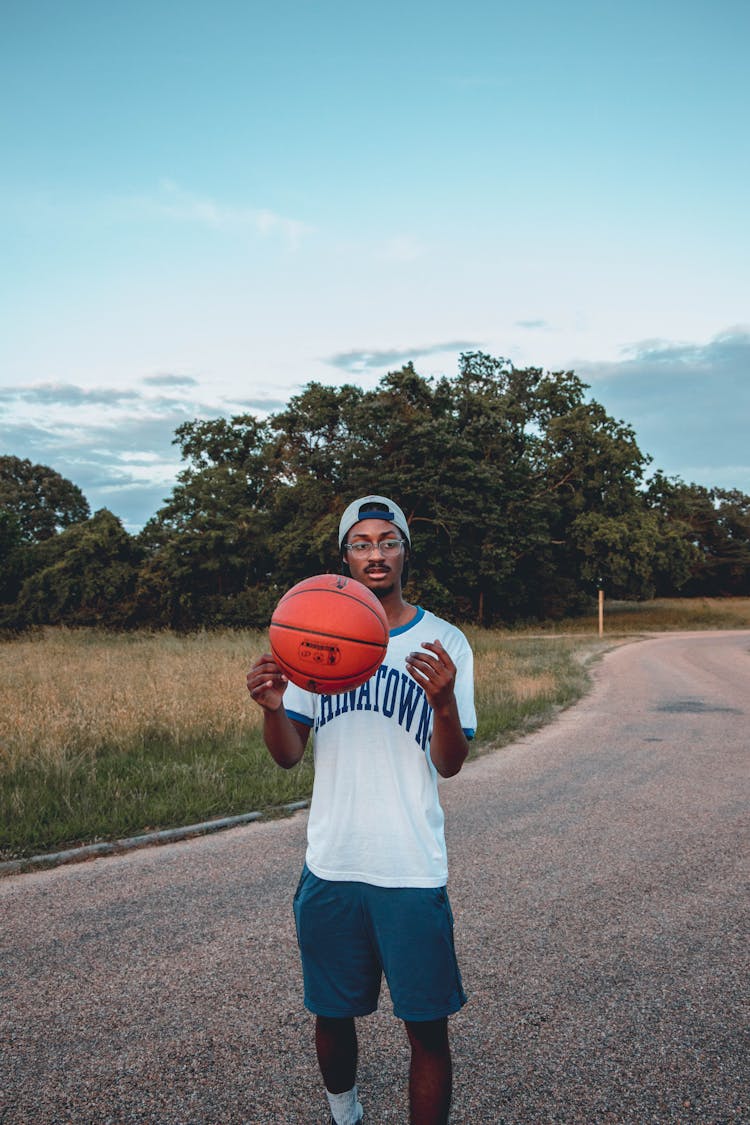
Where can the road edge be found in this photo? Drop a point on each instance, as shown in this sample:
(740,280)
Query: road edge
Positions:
(147,839)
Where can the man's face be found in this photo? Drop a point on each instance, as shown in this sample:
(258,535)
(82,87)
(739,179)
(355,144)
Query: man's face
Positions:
(380,572)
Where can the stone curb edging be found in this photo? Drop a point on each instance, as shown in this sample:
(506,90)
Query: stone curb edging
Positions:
(164,836)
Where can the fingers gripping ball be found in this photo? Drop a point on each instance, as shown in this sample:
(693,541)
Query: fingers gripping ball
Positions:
(329,634)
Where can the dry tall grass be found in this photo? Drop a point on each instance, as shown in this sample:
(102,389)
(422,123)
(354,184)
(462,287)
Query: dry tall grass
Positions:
(77,693)
(102,735)
(73,693)
(659,615)
(106,735)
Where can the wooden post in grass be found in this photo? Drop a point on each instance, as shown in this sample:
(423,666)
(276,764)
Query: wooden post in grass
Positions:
(601,612)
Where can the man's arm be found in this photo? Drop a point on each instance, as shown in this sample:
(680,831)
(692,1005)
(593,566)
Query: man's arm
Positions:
(285,738)
(449,745)
(436,674)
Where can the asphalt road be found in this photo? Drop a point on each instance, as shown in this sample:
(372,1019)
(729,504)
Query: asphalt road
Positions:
(599,882)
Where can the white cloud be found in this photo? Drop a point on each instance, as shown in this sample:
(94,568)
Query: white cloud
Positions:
(173,203)
(401,248)
(117,444)
(168,380)
(363,360)
(67,395)
(727,353)
(689,404)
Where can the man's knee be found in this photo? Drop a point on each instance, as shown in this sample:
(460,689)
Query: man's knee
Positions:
(430,1036)
(333,1028)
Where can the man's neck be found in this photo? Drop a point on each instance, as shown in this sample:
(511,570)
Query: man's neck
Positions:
(398,611)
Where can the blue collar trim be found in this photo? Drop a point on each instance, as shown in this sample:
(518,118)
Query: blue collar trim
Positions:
(409,624)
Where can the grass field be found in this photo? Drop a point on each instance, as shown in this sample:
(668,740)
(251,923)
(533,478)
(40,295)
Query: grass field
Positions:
(662,615)
(108,735)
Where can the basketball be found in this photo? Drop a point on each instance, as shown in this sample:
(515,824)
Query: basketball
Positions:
(329,634)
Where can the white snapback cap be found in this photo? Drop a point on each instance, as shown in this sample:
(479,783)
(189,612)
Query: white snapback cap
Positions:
(363,509)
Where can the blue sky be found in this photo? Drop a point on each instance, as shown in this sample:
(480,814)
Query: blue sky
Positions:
(205,207)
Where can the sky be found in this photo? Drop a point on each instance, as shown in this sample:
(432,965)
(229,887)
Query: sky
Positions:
(205,207)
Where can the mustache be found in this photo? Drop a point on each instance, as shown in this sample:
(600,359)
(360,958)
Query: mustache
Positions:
(376,566)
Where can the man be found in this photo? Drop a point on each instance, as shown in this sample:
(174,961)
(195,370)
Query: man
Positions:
(372,897)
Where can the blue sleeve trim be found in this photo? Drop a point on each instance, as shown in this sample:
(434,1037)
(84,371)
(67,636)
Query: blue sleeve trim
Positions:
(300,718)
(469,732)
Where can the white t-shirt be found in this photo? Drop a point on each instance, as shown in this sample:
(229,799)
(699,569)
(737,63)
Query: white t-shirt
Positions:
(375,815)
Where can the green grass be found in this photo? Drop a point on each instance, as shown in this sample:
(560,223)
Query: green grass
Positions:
(522,682)
(86,799)
(104,736)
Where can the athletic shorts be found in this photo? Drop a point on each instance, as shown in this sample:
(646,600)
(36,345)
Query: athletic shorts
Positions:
(350,934)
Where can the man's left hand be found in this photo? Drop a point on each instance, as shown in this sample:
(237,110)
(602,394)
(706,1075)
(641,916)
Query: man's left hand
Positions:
(436,674)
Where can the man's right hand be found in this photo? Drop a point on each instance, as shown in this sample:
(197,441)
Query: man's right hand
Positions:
(267,683)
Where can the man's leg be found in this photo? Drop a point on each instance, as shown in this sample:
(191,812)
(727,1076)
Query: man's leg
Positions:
(431,1073)
(336,1044)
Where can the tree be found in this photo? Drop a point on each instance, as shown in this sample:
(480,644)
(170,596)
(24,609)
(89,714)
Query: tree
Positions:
(86,575)
(42,501)
(714,526)
(492,467)
(731,563)
(35,504)
(519,492)
(522,496)
(11,555)
(209,545)
(591,468)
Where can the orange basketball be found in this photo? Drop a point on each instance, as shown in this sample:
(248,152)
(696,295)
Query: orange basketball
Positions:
(329,634)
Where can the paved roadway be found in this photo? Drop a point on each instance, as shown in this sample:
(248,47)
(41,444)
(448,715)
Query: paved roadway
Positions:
(599,883)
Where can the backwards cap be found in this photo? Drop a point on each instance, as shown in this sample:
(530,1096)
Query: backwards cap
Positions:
(363,509)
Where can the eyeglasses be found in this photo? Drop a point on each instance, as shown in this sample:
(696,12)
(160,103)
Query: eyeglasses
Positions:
(363,549)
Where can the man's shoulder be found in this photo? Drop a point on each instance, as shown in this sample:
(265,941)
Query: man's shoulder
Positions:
(427,626)
(442,628)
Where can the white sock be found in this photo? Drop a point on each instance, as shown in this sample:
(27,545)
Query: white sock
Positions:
(345,1108)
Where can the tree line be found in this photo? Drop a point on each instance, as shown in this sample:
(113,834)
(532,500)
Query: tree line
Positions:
(523,497)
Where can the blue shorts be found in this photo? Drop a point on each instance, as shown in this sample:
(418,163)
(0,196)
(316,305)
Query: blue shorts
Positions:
(350,934)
